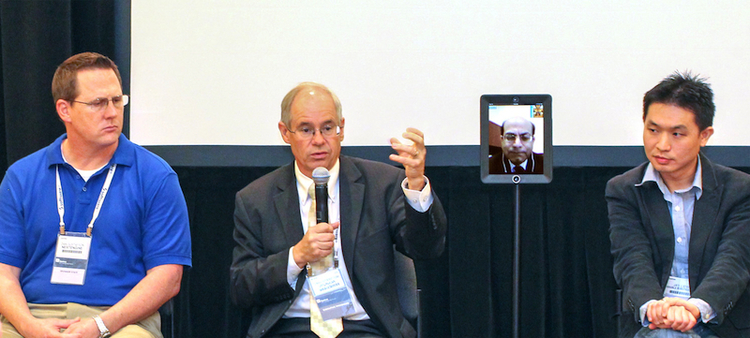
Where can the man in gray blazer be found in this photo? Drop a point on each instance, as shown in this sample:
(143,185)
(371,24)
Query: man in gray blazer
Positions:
(680,224)
(373,207)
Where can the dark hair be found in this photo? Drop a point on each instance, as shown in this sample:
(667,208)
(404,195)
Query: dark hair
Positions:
(685,91)
(64,83)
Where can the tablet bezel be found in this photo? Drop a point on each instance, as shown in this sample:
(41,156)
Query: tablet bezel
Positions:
(488,100)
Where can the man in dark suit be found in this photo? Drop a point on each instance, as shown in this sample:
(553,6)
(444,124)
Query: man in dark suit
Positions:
(680,224)
(373,206)
(517,143)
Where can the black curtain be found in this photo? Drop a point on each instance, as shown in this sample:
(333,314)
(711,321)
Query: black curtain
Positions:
(566,283)
(36,36)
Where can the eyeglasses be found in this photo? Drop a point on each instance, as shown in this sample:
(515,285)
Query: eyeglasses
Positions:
(510,137)
(101,103)
(327,130)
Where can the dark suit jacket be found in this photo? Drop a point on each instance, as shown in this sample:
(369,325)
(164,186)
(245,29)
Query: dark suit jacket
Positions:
(374,217)
(500,165)
(719,255)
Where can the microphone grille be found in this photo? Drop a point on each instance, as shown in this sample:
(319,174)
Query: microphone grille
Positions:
(320,175)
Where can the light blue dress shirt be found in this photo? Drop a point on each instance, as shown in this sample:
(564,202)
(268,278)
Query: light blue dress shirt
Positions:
(681,204)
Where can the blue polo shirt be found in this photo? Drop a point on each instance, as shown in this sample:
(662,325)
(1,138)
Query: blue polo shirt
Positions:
(143,222)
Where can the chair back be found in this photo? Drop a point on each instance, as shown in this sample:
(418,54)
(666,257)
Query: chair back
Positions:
(406,286)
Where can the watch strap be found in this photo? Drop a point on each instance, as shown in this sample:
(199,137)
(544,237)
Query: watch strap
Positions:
(103,330)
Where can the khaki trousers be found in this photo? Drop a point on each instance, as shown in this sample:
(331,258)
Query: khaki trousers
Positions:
(147,328)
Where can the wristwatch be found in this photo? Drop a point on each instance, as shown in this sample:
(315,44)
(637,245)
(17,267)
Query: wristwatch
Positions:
(103,330)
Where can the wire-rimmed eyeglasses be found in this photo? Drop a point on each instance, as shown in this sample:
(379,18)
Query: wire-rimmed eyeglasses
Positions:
(327,130)
(101,103)
(511,137)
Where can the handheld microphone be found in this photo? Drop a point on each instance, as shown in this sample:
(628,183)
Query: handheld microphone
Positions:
(320,176)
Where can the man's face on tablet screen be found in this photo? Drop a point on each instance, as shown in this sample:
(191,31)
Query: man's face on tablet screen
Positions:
(518,139)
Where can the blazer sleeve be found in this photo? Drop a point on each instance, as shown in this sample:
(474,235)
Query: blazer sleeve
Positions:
(256,278)
(421,235)
(729,273)
(631,247)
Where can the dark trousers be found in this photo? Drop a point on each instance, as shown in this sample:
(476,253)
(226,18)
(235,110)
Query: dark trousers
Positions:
(300,328)
(699,331)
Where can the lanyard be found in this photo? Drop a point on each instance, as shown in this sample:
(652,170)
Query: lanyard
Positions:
(97,208)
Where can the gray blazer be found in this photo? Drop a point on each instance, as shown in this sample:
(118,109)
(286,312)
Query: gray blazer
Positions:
(374,217)
(719,256)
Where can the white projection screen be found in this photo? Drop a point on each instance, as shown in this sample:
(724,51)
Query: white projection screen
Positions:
(214,72)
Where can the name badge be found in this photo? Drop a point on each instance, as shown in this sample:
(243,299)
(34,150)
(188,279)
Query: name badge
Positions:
(331,295)
(71,258)
(677,288)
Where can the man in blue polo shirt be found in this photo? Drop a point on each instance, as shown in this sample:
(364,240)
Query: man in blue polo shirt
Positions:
(94,230)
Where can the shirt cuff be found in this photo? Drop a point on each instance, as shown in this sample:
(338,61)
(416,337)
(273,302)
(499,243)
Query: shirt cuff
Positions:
(707,313)
(292,270)
(643,310)
(420,200)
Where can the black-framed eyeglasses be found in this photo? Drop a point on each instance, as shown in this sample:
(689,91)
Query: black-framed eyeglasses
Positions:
(510,137)
(327,130)
(101,103)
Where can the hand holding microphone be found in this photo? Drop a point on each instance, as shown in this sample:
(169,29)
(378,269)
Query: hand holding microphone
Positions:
(321,176)
(319,239)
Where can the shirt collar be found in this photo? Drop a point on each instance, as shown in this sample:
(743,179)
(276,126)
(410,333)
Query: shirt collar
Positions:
(304,183)
(653,175)
(523,164)
(124,154)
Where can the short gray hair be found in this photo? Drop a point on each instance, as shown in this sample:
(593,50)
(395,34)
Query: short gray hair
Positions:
(286,103)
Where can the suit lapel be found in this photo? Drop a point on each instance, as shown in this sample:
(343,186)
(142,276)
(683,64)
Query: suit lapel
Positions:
(658,221)
(661,225)
(531,166)
(287,206)
(507,167)
(351,199)
(704,219)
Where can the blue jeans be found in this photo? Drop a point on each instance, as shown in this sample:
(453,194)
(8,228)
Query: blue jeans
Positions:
(699,331)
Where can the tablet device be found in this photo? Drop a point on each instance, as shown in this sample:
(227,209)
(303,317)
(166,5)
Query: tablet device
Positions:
(516,138)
